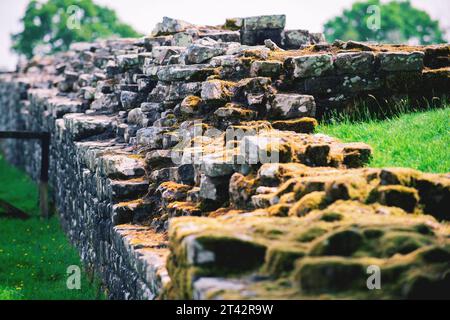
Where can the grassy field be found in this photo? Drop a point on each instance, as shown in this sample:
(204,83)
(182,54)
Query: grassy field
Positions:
(417,140)
(34,254)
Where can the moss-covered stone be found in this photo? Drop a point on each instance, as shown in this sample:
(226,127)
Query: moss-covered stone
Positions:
(323,254)
(340,243)
(398,196)
(302,125)
(434,192)
(312,201)
(310,234)
(279,210)
(397,242)
(330,275)
(281,259)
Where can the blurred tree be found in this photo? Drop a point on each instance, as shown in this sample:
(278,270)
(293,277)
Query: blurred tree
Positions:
(392,22)
(53,25)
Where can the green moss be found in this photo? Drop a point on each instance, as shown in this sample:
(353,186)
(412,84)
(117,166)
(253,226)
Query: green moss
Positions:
(395,196)
(434,195)
(327,275)
(315,258)
(281,259)
(428,287)
(279,210)
(316,155)
(230,24)
(269,232)
(339,243)
(402,176)
(436,254)
(347,187)
(232,254)
(401,243)
(331,217)
(373,233)
(424,229)
(286,187)
(310,202)
(302,125)
(310,234)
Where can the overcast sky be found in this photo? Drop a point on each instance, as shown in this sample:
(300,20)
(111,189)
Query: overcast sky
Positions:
(144,14)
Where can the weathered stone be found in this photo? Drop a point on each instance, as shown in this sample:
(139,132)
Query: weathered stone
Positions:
(169,26)
(82,126)
(258,37)
(179,90)
(186,173)
(216,166)
(197,53)
(259,86)
(129,189)
(294,39)
(162,55)
(234,113)
(150,137)
(183,39)
(136,116)
(401,61)
(302,125)
(342,84)
(214,189)
(266,69)
(272,227)
(313,65)
(128,61)
(130,100)
(190,105)
(121,166)
(289,106)
(158,158)
(186,73)
(354,62)
(264,22)
(216,90)
(224,36)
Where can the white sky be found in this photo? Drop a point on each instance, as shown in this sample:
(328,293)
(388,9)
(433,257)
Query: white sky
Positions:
(144,14)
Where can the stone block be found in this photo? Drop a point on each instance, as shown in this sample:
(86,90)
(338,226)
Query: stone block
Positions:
(401,61)
(289,106)
(313,65)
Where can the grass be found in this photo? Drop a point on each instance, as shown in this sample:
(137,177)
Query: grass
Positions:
(418,140)
(34,254)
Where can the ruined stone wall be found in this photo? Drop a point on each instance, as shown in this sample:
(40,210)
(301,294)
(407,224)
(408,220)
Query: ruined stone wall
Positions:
(216,124)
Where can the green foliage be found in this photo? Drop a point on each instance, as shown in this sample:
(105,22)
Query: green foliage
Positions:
(52,26)
(400,23)
(34,254)
(418,140)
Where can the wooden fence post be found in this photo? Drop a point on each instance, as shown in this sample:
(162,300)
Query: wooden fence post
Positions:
(43,183)
(44,138)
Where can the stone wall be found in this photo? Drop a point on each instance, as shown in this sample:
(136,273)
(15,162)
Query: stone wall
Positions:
(216,124)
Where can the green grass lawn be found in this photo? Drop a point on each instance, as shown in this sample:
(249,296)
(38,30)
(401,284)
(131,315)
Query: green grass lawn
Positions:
(34,254)
(417,140)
